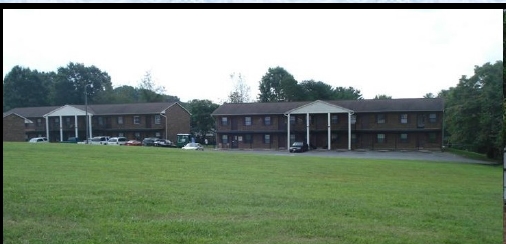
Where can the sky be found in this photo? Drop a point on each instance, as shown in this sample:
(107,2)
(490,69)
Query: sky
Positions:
(192,52)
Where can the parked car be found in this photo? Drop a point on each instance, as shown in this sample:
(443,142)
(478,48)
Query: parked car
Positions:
(299,146)
(163,143)
(149,141)
(193,146)
(133,143)
(117,141)
(38,140)
(99,140)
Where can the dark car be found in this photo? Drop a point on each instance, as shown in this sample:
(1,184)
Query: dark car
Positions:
(299,146)
(149,141)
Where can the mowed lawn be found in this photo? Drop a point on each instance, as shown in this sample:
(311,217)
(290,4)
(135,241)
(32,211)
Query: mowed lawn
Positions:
(69,193)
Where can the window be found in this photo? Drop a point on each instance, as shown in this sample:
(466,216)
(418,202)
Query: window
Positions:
(121,134)
(67,121)
(137,135)
(432,118)
(100,120)
(120,120)
(267,139)
(333,119)
(353,119)
(404,137)
(404,118)
(157,134)
(224,121)
(224,138)
(292,120)
(248,138)
(247,120)
(381,118)
(157,119)
(137,120)
(39,122)
(381,138)
(432,137)
(267,120)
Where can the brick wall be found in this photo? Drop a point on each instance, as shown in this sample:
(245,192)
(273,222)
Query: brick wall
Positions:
(178,121)
(14,128)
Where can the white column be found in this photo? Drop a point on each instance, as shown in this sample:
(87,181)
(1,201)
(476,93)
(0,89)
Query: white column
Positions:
(89,125)
(61,129)
(75,126)
(307,129)
(288,133)
(328,131)
(349,131)
(47,128)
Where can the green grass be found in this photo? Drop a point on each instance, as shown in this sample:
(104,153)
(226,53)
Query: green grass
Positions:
(67,193)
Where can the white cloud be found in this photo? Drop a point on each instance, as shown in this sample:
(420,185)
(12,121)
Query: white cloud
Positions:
(401,53)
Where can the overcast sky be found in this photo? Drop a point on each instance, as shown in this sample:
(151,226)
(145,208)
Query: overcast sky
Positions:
(400,53)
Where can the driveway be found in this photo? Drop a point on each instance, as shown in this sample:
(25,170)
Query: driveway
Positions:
(404,155)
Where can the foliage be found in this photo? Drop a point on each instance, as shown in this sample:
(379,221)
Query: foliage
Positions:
(350,93)
(316,90)
(104,194)
(429,95)
(241,91)
(23,87)
(382,96)
(149,91)
(70,83)
(474,108)
(277,85)
(201,120)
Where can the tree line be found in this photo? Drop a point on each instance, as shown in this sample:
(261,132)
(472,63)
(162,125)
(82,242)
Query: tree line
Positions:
(474,109)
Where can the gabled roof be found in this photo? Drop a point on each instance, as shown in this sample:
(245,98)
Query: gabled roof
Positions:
(100,109)
(319,107)
(357,106)
(15,114)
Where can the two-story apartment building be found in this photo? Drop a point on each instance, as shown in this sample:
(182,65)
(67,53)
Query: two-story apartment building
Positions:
(134,121)
(393,124)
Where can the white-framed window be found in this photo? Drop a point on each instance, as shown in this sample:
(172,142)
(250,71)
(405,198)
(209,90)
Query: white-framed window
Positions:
(39,122)
(267,120)
(157,134)
(381,118)
(267,138)
(404,118)
(120,120)
(381,138)
(403,137)
(224,138)
(432,118)
(158,119)
(247,120)
(137,120)
(137,134)
(224,120)
(100,120)
(334,119)
(121,134)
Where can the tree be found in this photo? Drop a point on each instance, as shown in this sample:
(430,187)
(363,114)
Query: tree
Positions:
(429,95)
(343,93)
(315,90)
(277,85)
(71,81)
(23,87)
(382,96)
(474,111)
(149,91)
(201,120)
(241,91)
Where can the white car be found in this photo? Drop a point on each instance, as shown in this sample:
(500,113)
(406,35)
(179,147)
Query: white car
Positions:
(117,141)
(193,146)
(38,140)
(99,140)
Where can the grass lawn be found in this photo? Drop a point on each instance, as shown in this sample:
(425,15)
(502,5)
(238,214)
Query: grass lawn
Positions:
(69,193)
